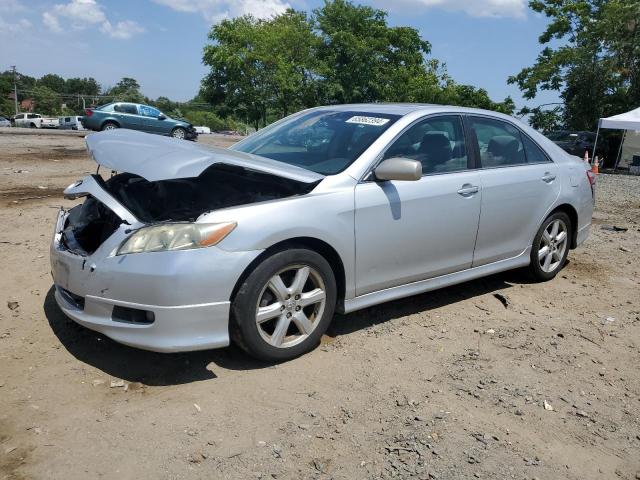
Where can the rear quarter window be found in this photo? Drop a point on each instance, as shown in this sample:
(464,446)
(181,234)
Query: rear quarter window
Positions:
(534,153)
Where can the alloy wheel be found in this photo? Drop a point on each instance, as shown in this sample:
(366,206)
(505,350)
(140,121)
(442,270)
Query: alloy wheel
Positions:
(553,246)
(178,133)
(290,306)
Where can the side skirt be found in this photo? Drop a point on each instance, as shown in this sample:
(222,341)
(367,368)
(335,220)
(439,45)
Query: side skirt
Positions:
(410,289)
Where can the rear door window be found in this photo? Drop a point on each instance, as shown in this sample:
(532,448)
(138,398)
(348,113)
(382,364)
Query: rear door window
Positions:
(126,108)
(500,143)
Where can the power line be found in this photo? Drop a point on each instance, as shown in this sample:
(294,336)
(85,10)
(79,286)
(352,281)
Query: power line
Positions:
(82,96)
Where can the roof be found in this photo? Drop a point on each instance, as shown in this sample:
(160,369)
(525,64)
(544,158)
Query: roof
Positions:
(407,108)
(624,121)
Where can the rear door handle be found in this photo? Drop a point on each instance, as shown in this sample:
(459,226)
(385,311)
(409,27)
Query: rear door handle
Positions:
(468,190)
(548,177)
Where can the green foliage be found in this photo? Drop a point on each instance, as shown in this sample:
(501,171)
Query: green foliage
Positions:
(85,86)
(596,66)
(46,100)
(52,81)
(261,64)
(211,120)
(126,90)
(544,120)
(345,53)
(363,59)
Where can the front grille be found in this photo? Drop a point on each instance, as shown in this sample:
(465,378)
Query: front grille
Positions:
(71,298)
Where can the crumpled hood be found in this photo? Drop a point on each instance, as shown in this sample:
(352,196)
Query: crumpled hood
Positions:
(155,157)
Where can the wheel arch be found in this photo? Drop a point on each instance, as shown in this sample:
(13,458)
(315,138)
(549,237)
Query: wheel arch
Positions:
(572,213)
(109,120)
(319,246)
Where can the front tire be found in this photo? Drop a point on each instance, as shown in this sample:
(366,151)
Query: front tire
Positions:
(284,306)
(550,247)
(179,133)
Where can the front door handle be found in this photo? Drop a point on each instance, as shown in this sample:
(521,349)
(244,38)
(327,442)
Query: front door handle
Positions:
(468,190)
(548,177)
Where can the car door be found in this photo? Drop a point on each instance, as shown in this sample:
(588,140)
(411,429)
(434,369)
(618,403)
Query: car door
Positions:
(150,119)
(127,115)
(407,231)
(519,184)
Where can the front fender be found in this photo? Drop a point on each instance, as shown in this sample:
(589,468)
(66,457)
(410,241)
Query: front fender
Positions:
(326,216)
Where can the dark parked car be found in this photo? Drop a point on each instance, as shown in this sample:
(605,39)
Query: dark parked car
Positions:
(135,116)
(575,143)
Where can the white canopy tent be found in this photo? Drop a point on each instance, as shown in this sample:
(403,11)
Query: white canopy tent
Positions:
(625,121)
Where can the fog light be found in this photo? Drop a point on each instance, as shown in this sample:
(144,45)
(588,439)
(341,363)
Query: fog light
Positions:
(132,315)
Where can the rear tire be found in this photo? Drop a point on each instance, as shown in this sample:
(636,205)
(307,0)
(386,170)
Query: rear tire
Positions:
(284,306)
(109,126)
(550,247)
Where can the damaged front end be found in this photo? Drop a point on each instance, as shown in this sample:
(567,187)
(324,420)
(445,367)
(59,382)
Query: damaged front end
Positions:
(136,202)
(167,181)
(104,274)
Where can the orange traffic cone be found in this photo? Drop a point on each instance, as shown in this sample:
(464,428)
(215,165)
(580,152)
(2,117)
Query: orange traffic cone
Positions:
(595,169)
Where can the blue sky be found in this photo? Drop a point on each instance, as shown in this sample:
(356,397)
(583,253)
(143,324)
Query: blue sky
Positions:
(159,42)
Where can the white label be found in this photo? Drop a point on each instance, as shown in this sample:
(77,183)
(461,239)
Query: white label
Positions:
(368,120)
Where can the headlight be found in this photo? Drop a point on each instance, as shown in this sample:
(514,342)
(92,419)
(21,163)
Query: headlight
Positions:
(176,236)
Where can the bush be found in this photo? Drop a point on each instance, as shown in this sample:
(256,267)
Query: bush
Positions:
(213,121)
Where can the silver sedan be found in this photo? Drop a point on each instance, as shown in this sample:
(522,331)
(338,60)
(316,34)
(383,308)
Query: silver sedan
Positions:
(331,209)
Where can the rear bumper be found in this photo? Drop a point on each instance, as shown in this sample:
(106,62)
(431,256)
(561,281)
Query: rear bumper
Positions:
(583,234)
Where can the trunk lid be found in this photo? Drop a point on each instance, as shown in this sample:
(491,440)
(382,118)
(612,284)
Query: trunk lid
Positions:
(155,158)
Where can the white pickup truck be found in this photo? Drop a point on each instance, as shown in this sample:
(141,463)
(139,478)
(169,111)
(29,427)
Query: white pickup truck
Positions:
(34,120)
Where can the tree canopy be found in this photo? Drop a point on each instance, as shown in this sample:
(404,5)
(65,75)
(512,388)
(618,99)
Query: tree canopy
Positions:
(343,53)
(591,55)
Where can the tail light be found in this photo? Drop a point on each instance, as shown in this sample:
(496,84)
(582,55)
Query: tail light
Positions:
(591,176)
(88,112)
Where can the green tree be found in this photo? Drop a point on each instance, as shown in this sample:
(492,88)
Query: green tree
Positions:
(126,90)
(544,120)
(237,77)
(595,65)
(46,100)
(258,65)
(83,86)
(363,59)
(52,81)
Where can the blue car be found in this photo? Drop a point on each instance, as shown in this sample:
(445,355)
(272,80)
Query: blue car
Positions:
(135,116)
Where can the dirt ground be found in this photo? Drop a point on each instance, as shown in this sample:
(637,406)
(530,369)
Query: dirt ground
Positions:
(446,385)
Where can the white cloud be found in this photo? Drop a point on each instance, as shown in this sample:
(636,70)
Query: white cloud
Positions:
(216,10)
(121,30)
(51,22)
(11,6)
(17,27)
(81,14)
(474,8)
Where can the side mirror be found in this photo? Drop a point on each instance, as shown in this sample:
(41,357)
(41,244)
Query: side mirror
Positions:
(398,169)
(162,116)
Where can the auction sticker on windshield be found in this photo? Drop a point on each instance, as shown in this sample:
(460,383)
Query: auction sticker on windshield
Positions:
(368,120)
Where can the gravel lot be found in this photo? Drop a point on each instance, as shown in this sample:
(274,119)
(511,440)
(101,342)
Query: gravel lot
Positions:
(447,385)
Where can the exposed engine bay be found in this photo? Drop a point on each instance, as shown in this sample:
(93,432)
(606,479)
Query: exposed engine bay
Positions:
(89,224)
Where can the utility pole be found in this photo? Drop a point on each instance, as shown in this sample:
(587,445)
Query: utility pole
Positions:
(15,86)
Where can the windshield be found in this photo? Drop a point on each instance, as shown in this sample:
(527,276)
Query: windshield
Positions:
(322,141)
